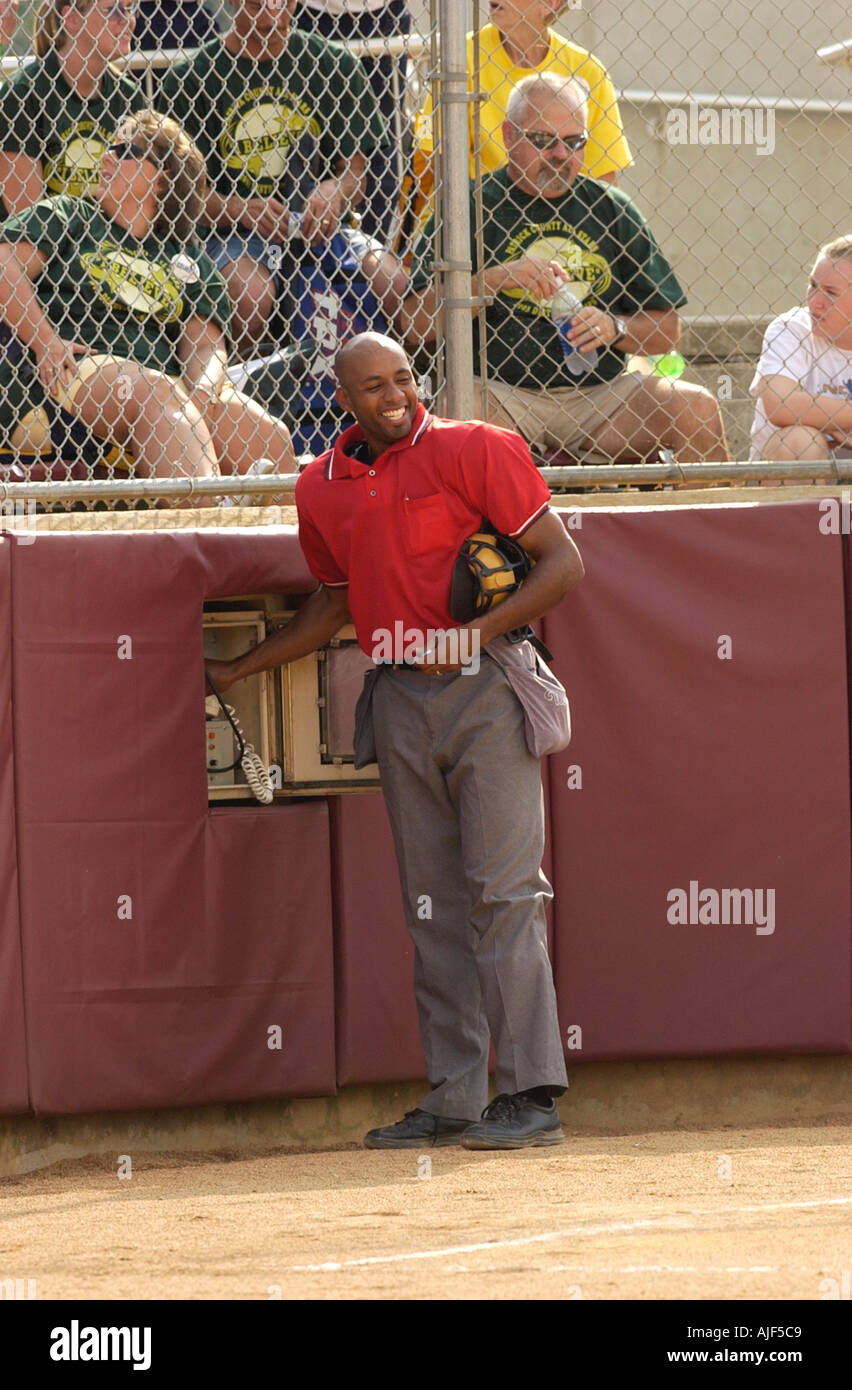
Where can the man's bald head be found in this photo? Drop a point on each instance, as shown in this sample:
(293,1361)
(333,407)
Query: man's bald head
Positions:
(356,358)
(377,385)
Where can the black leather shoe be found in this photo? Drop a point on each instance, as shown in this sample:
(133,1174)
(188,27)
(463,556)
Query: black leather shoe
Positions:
(417,1130)
(514,1122)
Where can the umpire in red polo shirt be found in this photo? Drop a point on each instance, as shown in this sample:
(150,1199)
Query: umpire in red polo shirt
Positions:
(382,517)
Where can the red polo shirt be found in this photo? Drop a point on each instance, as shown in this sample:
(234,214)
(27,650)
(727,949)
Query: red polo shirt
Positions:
(391,528)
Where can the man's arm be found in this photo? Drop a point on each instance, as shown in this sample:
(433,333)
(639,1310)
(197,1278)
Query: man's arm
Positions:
(268,217)
(557,569)
(319,618)
(416,317)
(8,21)
(648,332)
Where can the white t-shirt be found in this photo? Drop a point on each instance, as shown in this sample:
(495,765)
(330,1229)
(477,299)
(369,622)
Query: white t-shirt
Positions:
(790,349)
(345,6)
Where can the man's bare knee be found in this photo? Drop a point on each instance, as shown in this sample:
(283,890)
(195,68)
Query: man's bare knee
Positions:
(251,289)
(704,406)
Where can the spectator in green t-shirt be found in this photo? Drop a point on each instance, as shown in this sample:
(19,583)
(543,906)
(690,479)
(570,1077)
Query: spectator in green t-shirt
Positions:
(59,112)
(125,321)
(285,121)
(546,228)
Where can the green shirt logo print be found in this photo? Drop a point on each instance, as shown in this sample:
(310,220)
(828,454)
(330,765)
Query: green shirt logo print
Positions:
(259,131)
(590,273)
(74,169)
(149,289)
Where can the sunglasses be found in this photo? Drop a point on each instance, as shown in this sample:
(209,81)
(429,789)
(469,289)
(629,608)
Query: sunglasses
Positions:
(541,140)
(125,149)
(122,13)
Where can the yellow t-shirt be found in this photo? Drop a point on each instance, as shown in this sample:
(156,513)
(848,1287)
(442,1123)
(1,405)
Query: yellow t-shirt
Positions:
(607,150)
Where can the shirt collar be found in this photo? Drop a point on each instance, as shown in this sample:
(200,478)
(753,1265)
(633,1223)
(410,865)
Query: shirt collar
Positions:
(342,465)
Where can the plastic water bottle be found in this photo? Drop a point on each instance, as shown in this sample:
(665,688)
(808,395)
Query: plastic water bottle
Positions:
(563,307)
(669,364)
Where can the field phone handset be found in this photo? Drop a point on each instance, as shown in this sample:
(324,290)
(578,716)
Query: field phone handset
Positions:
(256,772)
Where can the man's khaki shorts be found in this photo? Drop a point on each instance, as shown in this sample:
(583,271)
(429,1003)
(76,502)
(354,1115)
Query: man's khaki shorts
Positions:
(560,417)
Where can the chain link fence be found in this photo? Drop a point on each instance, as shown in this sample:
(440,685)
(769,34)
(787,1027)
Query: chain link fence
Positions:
(192,228)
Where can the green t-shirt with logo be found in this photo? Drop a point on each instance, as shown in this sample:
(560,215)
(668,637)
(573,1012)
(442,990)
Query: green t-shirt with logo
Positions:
(107,289)
(605,245)
(42,117)
(274,128)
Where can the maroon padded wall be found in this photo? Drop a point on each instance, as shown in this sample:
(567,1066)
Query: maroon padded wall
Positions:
(230,932)
(13,1061)
(377,1034)
(730,773)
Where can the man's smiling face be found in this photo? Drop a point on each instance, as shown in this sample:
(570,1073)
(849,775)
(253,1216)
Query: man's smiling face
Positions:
(377,385)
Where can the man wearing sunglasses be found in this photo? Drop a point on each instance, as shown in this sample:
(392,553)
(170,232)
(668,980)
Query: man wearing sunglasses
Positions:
(548,227)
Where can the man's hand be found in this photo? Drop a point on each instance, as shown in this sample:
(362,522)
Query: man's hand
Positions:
(222,674)
(323,211)
(268,217)
(539,278)
(322,614)
(427,660)
(592,328)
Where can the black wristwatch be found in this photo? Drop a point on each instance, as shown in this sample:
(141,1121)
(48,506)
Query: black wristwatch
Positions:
(620,330)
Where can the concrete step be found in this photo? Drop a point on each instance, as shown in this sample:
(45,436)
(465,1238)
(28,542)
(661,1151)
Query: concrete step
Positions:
(724,339)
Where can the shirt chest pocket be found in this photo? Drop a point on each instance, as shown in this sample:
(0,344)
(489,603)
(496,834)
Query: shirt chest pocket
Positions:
(427,523)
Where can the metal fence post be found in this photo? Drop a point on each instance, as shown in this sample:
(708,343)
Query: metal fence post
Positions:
(455,192)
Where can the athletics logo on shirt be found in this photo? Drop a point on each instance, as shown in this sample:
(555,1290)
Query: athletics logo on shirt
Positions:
(149,289)
(74,169)
(574,249)
(258,133)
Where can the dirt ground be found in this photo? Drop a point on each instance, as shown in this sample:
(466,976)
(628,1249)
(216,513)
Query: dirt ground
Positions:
(727,1214)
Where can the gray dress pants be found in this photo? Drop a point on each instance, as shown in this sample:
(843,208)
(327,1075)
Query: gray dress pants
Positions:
(465,803)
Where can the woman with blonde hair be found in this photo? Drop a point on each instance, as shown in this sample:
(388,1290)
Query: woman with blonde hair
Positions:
(59,113)
(120,322)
